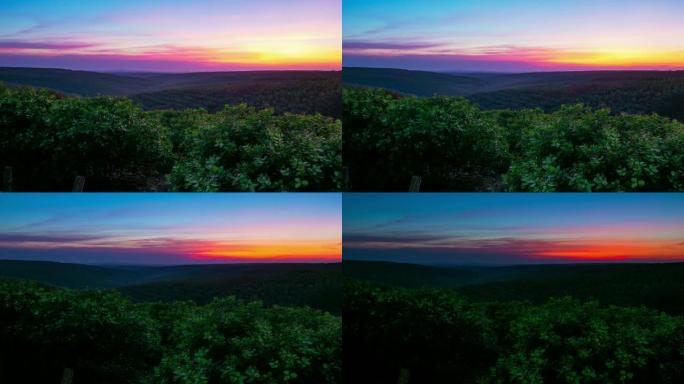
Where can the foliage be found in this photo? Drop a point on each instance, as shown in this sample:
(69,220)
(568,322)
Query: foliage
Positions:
(454,145)
(231,342)
(243,149)
(106,339)
(49,139)
(300,96)
(437,335)
(447,141)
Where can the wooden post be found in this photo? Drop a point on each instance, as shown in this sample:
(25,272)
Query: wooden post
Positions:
(403,376)
(345,173)
(7,179)
(67,376)
(78,184)
(415,184)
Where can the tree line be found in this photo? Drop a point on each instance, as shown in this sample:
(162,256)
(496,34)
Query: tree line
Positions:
(454,145)
(49,139)
(102,337)
(436,335)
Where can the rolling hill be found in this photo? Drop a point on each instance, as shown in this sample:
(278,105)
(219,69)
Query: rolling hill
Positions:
(285,91)
(658,286)
(638,92)
(315,285)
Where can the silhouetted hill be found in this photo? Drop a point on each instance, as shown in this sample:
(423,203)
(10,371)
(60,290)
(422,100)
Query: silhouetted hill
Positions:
(81,83)
(315,285)
(285,91)
(640,92)
(658,286)
(419,83)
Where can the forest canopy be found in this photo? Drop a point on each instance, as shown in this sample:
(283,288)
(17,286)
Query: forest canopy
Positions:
(49,139)
(104,338)
(433,335)
(455,146)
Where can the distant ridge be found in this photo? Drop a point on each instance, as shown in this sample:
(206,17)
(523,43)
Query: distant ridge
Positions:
(637,92)
(285,91)
(656,285)
(72,275)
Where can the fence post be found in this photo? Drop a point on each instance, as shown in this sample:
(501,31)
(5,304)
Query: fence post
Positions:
(403,376)
(7,179)
(67,376)
(415,184)
(78,184)
(345,173)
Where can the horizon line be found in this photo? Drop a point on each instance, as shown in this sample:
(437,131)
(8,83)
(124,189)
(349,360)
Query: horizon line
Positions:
(109,72)
(454,71)
(496,265)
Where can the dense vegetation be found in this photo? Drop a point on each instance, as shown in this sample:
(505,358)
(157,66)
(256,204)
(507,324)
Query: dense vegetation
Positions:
(49,139)
(291,284)
(399,335)
(635,92)
(657,286)
(454,145)
(104,338)
(307,92)
(309,96)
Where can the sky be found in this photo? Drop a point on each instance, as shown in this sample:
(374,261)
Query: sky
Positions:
(514,35)
(171,35)
(171,229)
(513,228)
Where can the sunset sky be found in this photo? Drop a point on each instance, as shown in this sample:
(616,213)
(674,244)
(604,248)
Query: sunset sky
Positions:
(514,35)
(504,229)
(149,228)
(171,35)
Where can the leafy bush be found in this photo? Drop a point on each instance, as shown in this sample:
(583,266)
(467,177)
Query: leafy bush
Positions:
(106,339)
(231,342)
(243,149)
(49,139)
(446,140)
(98,334)
(437,335)
(455,146)
(577,149)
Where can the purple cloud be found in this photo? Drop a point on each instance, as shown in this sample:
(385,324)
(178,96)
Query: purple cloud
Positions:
(21,237)
(385,45)
(17,44)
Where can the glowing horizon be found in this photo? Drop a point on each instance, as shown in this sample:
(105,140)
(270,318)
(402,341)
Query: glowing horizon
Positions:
(172,36)
(502,229)
(171,228)
(514,36)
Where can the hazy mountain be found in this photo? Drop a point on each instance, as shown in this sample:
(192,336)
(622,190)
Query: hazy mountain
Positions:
(658,286)
(316,285)
(285,91)
(642,92)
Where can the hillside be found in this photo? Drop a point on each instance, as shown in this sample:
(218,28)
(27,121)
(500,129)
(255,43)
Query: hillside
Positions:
(315,285)
(285,91)
(657,286)
(639,92)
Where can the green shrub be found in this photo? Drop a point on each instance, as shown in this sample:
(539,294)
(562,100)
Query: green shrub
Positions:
(437,335)
(49,139)
(456,147)
(446,140)
(104,338)
(231,342)
(243,149)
